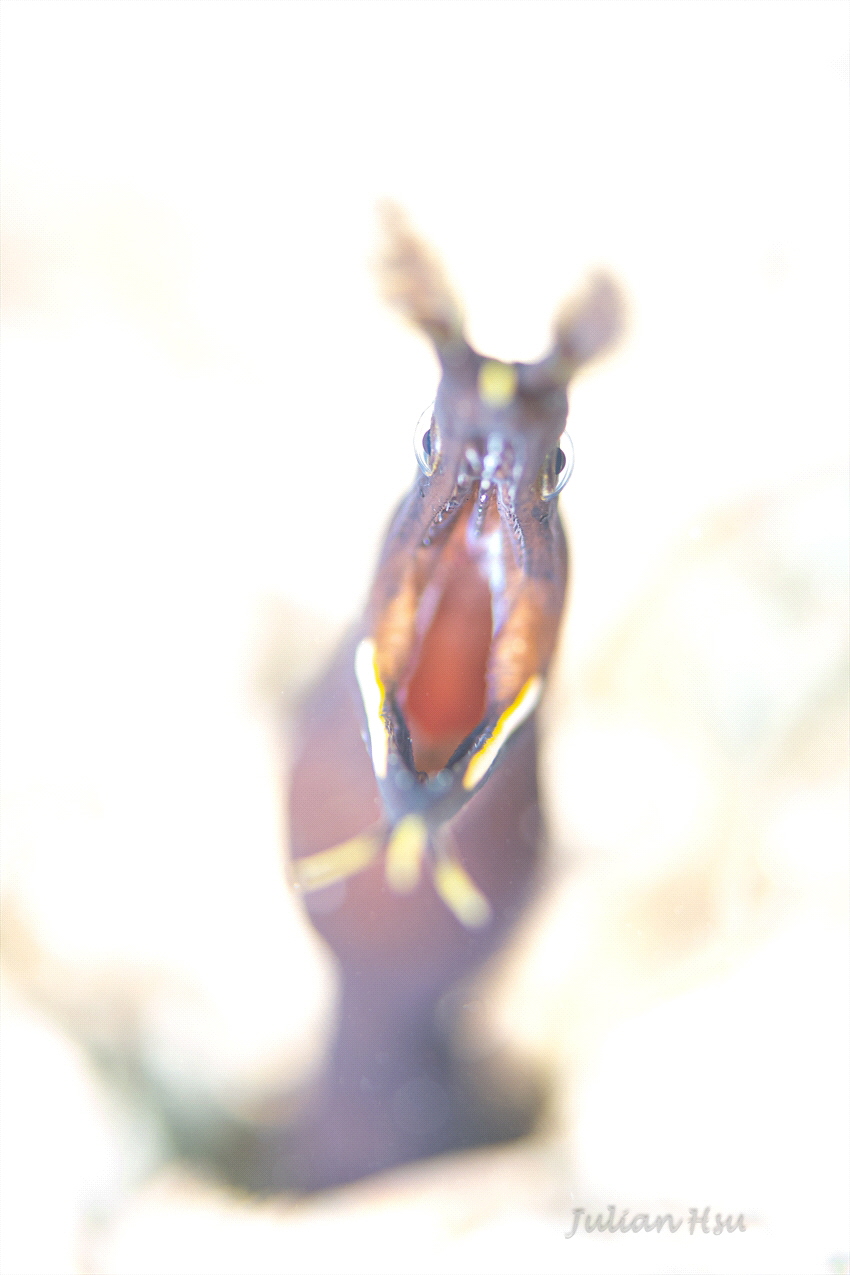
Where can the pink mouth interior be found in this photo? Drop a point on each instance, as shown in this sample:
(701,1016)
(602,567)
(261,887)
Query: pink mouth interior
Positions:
(445,696)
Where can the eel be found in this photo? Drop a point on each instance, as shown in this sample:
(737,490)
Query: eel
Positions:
(415,825)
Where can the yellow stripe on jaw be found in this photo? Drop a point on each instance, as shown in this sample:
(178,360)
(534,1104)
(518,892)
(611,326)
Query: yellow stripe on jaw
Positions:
(460,893)
(510,721)
(315,871)
(372,694)
(404,853)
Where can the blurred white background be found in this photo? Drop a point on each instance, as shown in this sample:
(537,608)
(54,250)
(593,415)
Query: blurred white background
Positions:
(206,422)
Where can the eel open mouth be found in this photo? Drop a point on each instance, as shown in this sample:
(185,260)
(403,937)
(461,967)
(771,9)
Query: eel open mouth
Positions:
(459,626)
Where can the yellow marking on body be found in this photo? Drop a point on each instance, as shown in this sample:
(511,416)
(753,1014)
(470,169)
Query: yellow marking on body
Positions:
(404,853)
(497,383)
(372,694)
(460,893)
(315,871)
(512,718)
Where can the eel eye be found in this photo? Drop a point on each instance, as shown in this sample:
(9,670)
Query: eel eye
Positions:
(424,441)
(557,468)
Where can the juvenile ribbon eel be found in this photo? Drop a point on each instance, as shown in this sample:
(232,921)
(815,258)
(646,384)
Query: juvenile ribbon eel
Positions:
(414,814)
